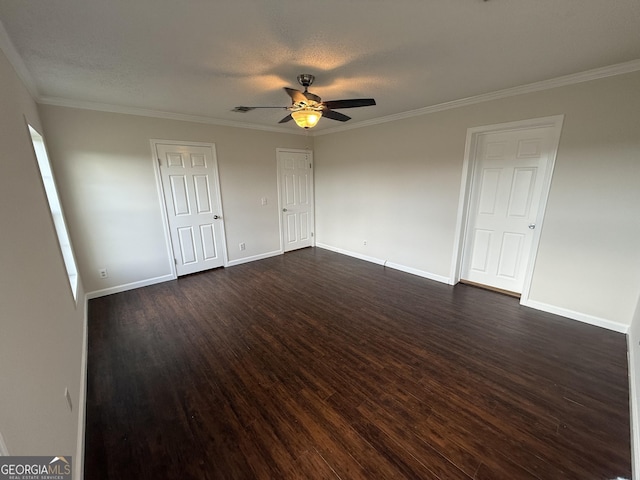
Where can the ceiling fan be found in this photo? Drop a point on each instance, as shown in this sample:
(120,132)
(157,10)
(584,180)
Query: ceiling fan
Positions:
(307,108)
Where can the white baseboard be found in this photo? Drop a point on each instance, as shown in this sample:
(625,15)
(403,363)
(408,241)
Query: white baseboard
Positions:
(349,253)
(78,461)
(563,312)
(420,273)
(165,278)
(253,258)
(581,317)
(385,263)
(129,286)
(633,357)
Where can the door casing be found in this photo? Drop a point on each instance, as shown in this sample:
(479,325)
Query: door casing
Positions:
(468,170)
(162,202)
(312,228)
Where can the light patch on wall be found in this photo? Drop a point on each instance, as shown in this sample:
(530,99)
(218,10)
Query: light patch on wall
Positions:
(55,207)
(4,451)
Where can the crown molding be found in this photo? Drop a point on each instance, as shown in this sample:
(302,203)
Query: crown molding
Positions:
(143,112)
(567,80)
(6,45)
(575,78)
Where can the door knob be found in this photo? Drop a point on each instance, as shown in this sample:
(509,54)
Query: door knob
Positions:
(216,217)
(284,210)
(532,226)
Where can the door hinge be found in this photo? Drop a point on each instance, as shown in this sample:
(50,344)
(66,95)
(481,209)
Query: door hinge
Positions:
(159,162)
(175,261)
(309,166)
(312,234)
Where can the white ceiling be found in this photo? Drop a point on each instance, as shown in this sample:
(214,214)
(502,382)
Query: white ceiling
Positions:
(204,57)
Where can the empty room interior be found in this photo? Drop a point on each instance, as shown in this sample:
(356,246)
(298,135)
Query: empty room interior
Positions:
(340,239)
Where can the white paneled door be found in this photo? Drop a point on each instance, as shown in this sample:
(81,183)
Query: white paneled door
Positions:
(510,170)
(190,186)
(295,169)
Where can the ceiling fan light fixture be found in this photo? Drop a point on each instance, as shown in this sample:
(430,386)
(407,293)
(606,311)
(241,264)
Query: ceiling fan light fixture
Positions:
(307,108)
(306,117)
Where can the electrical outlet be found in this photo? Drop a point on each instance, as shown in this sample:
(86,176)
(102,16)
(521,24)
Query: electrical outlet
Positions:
(103,273)
(364,243)
(264,200)
(68,397)
(243,246)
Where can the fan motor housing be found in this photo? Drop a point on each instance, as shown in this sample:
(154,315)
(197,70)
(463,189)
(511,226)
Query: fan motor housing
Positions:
(306,79)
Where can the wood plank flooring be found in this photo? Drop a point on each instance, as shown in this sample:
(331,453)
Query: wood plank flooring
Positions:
(314,365)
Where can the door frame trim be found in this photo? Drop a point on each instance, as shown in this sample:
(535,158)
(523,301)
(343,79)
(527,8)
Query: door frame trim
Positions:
(154,142)
(313,194)
(555,122)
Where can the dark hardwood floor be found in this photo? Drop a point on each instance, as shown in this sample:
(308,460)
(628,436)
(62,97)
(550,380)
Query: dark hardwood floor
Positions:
(315,365)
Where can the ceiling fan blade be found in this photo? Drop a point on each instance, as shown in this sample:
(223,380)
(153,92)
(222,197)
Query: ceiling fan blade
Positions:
(312,97)
(351,103)
(243,109)
(334,115)
(296,95)
(286,119)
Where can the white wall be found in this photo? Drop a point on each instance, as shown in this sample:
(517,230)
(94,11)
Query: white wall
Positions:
(104,164)
(396,185)
(41,328)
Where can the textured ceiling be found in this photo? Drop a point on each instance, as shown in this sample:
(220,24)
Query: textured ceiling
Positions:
(204,57)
